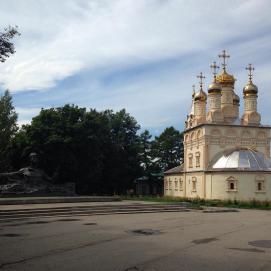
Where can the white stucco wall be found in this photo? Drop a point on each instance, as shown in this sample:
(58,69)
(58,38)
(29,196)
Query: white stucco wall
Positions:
(217,186)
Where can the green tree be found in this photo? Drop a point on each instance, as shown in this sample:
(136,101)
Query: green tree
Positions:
(70,139)
(145,151)
(122,161)
(8,126)
(6,45)
(97,150)
(168,149)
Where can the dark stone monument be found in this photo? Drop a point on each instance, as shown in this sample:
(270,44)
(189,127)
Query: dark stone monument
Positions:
(34,181)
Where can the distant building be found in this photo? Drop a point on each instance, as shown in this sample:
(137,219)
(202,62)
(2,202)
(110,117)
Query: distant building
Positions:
(225,156)
(149,185)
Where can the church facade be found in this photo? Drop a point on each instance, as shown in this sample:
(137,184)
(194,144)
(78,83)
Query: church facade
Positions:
(226,154)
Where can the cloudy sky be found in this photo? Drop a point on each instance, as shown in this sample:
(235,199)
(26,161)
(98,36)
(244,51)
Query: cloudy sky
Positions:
(142,55)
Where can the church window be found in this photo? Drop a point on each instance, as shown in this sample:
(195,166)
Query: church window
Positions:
(190,160)
(197,159)
(166,184)
(193,136)
(170,185)
(176,185)
(260,185)
(194,184)
(181,185)
(232,184)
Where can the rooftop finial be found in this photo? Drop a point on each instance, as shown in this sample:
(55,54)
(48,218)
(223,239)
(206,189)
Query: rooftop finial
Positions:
(201,77)
(249,68)
(224,56)
(214,67)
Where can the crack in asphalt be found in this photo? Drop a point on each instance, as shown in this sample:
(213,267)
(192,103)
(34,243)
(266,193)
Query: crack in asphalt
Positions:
(246,249)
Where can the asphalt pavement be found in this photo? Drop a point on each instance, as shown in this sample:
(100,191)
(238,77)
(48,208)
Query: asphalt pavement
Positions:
(123,238)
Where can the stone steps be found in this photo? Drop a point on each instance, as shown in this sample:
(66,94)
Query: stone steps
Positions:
(12,215)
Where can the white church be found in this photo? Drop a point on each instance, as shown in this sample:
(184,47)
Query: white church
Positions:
(226,155)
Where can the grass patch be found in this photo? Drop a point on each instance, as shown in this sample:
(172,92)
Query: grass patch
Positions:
(197,202)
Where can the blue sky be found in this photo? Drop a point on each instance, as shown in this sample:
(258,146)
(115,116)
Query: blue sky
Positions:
(142,55)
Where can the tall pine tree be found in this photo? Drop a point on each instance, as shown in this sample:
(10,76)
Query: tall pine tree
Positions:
(8,126)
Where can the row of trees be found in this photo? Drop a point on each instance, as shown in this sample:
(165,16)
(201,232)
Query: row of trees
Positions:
(103,152)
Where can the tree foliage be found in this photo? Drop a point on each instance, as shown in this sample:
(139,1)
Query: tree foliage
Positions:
(145,152)
(8,126)
(168,149)
(6,44)
(97,150)
(102,152)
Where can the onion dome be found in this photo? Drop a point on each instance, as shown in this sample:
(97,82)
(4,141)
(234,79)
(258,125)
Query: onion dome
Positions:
(250,89)
(225,79)
(214,88)
(200,96)
(236,99)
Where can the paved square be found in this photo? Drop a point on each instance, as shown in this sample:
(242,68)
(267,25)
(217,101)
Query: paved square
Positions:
(179,240)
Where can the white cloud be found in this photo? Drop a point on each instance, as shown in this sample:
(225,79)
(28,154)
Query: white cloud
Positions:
(63,38)
(60,38)
(26,114)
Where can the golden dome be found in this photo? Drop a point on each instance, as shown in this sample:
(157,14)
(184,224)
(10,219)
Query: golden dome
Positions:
(236,99)
(214,88)
(225,79)
(200,96)
(250,89)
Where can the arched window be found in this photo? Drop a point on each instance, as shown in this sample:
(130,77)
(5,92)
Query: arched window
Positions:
(232,184)
(193,136)
(194,184)
(199,133)
(166,184)
(190,160)
(198,159)
(180,184)
(260,184)
(176,184)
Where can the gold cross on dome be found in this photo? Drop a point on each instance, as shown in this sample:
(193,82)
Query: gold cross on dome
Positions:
(201,77)
(224,56)
(249,68)
(215,68)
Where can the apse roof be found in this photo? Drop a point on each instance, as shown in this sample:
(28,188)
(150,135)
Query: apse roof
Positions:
(242,159)
(177,169)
